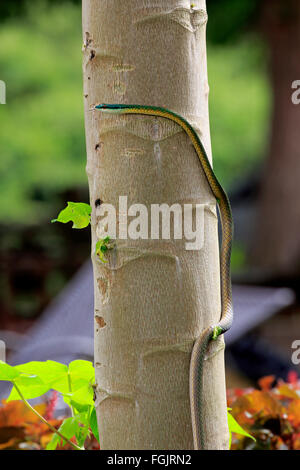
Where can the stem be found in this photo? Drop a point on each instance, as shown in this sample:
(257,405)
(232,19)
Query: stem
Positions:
(44,420)
(70,390)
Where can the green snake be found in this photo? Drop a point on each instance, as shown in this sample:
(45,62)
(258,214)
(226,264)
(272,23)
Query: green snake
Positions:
(212,332)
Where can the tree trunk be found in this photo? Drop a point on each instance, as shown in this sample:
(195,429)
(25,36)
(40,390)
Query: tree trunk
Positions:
(153,297)
(276,247)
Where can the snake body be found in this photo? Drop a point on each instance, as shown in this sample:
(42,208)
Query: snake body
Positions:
(212,332)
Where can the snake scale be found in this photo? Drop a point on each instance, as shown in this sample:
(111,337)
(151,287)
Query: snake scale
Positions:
(212,332)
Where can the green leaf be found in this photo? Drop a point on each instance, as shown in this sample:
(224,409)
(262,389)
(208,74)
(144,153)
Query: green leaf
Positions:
(94,424)
(74,382)
(77,407)
(83,427)
(234,426)
(216,333)
(33,378)
(55,440)
(47,371)
(82,375)
(77,212)
(38,377)
(7,372)
(99,250)
(68,429)
(31,386)
(81,435)
(82,369)
(83,395)
(83,431)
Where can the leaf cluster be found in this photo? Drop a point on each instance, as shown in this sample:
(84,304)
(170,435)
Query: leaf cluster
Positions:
(74,382)
(270,414)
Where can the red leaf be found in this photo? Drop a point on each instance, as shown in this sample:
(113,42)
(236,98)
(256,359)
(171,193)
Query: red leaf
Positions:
(266,383)
(292,377)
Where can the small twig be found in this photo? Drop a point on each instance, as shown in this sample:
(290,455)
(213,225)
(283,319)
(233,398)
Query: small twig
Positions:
(70,390)
(53,429)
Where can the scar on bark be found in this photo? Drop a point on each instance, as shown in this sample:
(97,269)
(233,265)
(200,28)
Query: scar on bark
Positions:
(98,202)
(123,68)
(88,39)
(100,320)
(119,87)
(103,285)
(98,145)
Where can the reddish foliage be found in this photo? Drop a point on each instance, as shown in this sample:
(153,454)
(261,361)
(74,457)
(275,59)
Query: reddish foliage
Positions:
(271,415)
(51,405)
(21,429)
(266,383)
(292,377)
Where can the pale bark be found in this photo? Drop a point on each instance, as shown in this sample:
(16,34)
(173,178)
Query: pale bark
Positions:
(153,298)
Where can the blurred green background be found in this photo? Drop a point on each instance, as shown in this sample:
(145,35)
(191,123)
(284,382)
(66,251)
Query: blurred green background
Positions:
(42,142)
(41,135)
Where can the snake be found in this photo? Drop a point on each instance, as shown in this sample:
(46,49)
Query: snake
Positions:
(211,333)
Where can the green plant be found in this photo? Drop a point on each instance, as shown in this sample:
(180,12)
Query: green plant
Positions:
(234,427)
(80,214)
(74,382)
(77,212)
(102,246)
